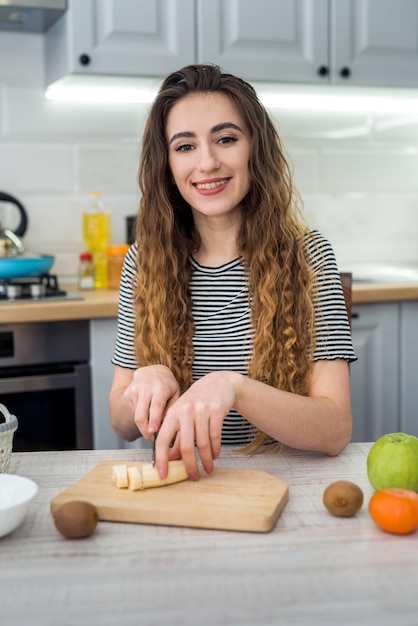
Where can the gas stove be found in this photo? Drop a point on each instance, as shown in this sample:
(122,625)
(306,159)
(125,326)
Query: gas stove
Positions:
(33,288)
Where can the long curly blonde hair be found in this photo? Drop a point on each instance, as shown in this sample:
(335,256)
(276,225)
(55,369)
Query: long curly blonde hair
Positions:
(271,241)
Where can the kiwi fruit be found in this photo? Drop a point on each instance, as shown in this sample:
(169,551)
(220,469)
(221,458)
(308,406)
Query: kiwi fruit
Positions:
(76,519)
(343,498)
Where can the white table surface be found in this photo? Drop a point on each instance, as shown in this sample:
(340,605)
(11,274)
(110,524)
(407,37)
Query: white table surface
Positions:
(311,569)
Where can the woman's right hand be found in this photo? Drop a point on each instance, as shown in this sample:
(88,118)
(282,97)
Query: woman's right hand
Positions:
(152,390)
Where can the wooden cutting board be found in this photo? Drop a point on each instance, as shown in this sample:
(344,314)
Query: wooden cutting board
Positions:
(228,499)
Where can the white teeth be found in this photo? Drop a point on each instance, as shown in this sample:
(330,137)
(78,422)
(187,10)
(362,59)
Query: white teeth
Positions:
(211,185)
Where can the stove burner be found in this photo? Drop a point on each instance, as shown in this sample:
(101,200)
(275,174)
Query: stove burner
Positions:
(31,288)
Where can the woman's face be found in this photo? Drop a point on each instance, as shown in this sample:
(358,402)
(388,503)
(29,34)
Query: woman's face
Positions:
(209,151)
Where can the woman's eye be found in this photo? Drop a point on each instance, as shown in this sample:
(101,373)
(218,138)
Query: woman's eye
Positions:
(227,139)
(186,147)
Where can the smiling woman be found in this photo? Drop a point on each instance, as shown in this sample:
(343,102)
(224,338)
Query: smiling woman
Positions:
(232,323)
(209,165)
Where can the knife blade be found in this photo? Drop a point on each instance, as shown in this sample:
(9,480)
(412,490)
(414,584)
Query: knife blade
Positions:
(153,449)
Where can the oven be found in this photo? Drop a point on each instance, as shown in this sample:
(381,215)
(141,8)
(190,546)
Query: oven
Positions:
(45,380)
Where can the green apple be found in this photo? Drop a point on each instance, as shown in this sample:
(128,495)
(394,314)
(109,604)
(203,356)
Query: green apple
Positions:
(393,462)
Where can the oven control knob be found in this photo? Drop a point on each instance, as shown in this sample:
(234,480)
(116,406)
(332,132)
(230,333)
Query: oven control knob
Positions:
(13,291)
(37,290)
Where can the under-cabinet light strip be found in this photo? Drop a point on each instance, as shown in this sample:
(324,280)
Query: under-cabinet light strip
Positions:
(280,96)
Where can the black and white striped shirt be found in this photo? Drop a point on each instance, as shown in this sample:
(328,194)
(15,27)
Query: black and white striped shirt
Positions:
(223,332)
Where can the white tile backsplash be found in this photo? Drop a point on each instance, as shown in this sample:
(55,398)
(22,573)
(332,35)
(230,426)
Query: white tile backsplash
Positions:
(367,227)
(364,169)
(304,166)
(2,108)
(36,167)
(358,174)
(108,167)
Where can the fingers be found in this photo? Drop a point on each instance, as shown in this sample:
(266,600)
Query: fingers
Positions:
(203,443)
(192,435)
(155,415)
(215,431)
(141,405)
(187,448)
(148,412)
(151,391)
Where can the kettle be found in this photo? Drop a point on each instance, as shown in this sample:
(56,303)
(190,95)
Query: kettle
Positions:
(10,243)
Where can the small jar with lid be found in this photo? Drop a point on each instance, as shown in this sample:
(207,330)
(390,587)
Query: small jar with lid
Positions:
(86,271)
(115,259)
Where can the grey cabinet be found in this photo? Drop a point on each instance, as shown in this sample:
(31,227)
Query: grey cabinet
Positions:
(358,42)
(265,40)
(375,391)
(102,343)
(384,380)
(409,368)
(374,42)
(121,37)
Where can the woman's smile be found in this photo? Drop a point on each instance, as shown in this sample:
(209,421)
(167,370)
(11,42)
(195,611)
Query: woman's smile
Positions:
(211,186)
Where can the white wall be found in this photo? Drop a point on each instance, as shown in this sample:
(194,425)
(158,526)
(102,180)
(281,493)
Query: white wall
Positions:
(358,175)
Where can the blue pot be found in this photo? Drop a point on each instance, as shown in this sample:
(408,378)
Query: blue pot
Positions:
(25,265)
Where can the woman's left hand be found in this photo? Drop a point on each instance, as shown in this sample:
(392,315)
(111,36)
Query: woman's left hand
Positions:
(194,422)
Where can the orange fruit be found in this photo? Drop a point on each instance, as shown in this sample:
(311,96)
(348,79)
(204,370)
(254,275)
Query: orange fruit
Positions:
(395,510)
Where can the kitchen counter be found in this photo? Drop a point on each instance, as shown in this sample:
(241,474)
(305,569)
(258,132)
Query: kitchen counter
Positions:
(384,292)
(103,303)
(95,304)
(312,568)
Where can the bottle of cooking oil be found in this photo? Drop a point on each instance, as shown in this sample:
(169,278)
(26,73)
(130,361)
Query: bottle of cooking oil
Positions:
(96,232)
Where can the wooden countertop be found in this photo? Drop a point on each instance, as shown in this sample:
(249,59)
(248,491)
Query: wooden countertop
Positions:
(312,568)
(381,292)
(95,304)
(103,303)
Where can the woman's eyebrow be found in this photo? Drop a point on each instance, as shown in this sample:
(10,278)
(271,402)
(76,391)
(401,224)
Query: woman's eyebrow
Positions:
(214,129)
(224,126)
(185,133)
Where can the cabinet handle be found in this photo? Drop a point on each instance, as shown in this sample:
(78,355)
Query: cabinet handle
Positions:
(345,72)
(84,59)
(355,316)
(323,70)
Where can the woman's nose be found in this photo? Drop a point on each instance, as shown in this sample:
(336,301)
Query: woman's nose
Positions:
(208,160)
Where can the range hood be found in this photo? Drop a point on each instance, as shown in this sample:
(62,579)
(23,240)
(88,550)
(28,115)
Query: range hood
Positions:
(31,16)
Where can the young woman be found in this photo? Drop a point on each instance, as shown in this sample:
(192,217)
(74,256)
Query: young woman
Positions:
(232,324)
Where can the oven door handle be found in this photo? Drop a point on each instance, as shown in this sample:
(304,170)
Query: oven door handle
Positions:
(19,384)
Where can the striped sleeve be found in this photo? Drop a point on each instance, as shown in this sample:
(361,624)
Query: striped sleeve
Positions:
(124,353)
(332,328)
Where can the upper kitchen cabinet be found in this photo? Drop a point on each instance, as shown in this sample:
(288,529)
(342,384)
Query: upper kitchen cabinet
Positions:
(358,42)
(265,40)
(121,37)
(374,42)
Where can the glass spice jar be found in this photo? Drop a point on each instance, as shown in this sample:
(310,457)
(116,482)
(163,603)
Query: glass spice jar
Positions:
(86,271)
(115,259)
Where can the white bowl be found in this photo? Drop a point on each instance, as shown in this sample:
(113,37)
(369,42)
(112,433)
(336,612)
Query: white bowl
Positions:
(16,494)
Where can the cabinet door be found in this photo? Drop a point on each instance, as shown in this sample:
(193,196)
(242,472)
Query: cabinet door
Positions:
(284,40)
(374,376)
(409,368)
(374,42)
(102,343)
(122,37)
